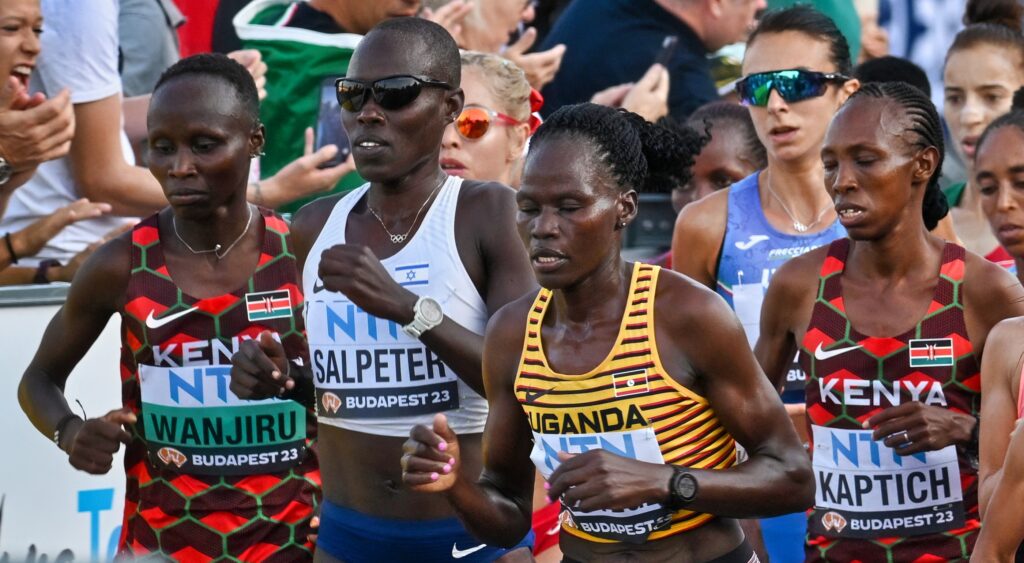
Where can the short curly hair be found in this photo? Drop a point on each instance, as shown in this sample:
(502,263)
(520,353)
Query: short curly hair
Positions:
(224,68)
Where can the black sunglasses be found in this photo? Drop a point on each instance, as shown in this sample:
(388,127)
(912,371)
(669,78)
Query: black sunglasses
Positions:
(391,93)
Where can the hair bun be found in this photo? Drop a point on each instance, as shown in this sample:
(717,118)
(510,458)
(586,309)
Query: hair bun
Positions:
(1007,13)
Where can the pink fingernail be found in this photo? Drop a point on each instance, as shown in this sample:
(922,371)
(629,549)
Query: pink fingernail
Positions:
(451,461)
(434,476)
(446,469)
(442,446)
(547,486)
(550,500)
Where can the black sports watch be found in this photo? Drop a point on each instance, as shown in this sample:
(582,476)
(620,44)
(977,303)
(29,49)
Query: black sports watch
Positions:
(682,488)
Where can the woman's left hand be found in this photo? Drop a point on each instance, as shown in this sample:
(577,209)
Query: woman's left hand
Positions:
(914,427)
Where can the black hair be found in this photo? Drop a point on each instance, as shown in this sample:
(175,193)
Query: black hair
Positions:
(893,69)
(728,114)
(991,22)
(640,155)
(438,50)
(223,68)
(811,22)
(927,132)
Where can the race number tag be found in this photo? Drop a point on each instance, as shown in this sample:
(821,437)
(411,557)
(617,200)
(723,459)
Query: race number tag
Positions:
(366,367)
(193,423)
(631,525)
(867,490)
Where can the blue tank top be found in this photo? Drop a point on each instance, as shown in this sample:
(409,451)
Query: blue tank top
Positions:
(751,253)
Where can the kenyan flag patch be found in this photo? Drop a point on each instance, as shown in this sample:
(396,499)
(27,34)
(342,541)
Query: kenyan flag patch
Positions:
(931,352)
(268,305)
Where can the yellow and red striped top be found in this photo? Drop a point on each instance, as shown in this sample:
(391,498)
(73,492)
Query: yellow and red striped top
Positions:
(627,404)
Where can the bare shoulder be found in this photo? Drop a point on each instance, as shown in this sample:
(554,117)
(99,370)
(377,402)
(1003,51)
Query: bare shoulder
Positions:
(799,273)
(681,302)
(987,284)
(705,219)
(507,324)
(478,197)
(102,281)
(309,220)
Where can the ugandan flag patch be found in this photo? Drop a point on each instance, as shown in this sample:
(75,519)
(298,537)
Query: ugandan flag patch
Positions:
(629,383)
(931,352)
(268,305)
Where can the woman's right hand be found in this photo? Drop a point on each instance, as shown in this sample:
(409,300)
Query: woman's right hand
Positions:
(431,459)
(259,370)
(93,442)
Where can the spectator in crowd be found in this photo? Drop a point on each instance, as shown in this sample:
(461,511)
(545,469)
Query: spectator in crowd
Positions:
(612,42)
(33,130)
(489,25)
(893,69)
(306,45)
(984,66)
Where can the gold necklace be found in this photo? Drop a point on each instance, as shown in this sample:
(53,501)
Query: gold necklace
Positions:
(399,239)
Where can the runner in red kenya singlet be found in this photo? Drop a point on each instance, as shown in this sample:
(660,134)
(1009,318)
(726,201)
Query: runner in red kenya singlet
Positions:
(890,325)
(209,476)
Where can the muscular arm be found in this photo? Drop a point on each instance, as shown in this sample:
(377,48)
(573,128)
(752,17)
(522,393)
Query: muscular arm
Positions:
(503,274)
(498,507)
(777,477)
(999,370)
(95,295)
(784,303)
(98,166)
(697,237)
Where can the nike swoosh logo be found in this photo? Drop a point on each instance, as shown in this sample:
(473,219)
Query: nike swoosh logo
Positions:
(820,354)
(532,396)
(751,242)
(152,322)
(318,286)
(460,553)
(557,528)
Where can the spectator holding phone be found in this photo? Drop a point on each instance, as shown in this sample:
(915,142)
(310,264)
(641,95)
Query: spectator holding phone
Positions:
(599,55)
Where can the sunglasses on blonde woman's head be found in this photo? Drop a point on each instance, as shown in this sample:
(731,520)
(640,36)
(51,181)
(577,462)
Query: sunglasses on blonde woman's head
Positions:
(390,93)
(475,121)
(793,85)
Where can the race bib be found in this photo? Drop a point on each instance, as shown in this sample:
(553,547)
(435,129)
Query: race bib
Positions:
(366,367)
(867,490)
(193,423)
(631,525)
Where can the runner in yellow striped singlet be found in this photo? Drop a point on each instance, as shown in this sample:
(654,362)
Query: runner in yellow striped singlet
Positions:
(631,416)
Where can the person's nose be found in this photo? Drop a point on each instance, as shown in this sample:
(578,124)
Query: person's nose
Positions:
(451,138)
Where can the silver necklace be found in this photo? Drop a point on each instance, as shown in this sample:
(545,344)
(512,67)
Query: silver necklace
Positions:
(399,239)
(216,248)
(797,225)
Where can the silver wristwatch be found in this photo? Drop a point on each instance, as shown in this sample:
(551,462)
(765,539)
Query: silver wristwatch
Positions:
(6,171)
(427,314)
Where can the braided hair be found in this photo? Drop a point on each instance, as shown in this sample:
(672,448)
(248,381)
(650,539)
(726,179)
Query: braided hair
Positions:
(640,155)
(927,132)
(729,115)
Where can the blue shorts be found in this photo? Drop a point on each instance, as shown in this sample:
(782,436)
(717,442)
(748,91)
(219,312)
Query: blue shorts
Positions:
(357,538)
